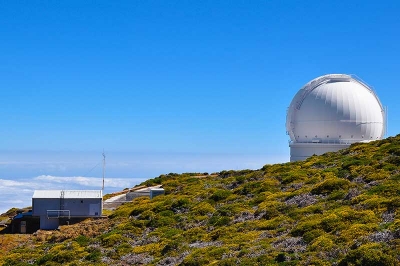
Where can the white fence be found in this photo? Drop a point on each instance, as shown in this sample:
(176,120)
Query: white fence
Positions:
(55,214)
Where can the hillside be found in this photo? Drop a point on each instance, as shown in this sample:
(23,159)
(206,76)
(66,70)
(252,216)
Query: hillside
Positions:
(336,209)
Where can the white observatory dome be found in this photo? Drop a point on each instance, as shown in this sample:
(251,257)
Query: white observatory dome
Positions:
(335,108)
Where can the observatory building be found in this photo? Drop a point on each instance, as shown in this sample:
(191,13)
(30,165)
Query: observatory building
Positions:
(57,206)
(331,112)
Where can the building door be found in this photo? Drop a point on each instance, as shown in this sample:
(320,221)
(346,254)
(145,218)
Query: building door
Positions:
(94,209)
(23,227)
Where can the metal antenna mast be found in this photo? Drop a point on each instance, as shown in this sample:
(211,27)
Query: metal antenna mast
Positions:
(104,168)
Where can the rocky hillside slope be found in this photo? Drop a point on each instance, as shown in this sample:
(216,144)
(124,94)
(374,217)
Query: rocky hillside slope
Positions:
(336,209)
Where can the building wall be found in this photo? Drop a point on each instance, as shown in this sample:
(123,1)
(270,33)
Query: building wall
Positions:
(32,225)
(301,151)
(48,224)
(40,206)
(156,192)
(77,207)
(136,194)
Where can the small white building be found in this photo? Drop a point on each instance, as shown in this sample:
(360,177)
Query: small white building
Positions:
(55,205)
(145,192)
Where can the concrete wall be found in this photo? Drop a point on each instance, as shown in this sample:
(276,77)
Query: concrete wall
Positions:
(32,225)
(156,192)
(136,194)
(48,224)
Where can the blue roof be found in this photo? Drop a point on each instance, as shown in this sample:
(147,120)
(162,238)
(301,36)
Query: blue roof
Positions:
(22,215)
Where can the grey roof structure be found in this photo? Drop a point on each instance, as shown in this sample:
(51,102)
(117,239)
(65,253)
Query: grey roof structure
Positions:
(68,194)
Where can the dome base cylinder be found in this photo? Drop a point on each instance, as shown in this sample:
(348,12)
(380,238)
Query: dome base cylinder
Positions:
(301,151)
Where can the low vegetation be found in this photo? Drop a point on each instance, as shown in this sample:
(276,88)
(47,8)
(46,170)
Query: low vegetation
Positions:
(336,209)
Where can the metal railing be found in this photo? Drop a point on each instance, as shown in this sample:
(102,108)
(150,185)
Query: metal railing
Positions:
(325,141)
(55,214)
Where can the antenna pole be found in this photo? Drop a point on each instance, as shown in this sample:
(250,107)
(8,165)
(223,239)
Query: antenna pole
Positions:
(104,168)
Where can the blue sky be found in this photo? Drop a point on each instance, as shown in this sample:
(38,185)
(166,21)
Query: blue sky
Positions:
(175,85)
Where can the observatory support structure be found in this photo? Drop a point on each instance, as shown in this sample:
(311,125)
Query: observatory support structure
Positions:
(301,151)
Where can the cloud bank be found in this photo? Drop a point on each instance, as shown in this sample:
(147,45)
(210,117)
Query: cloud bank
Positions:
(72,170)
(18,193)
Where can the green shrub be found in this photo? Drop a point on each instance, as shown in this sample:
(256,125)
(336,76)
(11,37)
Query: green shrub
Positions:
(82,240)
(240,179)
(219,220)
(369,255)
(344,173)
(322,243)
(42,260)
(111,239)
(309,223)
(248,188)
(94,255)
(309,236)
(331,223)
(330,185)
(171,245)
(220,195)
(147,215)
(196,258)
(195,234)
(123,249)
(14,262)
(389,189)
(228,262)
(169,232)
(355,231)
(160,221)
(64,256)
(337,195)
(394,149)
(350,161)
(180,203)
(166,213)
(271,224)
(203,208)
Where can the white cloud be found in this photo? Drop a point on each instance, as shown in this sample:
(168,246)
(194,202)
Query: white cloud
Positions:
(11,183)
(93,182)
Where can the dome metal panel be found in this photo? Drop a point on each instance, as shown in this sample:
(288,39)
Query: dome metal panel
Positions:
(335,108)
